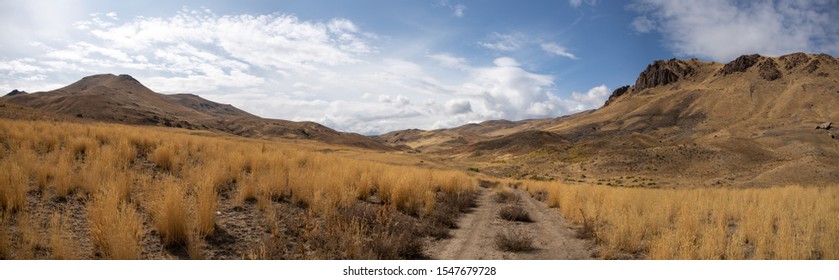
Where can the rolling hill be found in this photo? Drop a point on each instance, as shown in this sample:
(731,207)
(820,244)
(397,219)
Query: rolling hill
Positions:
(123,99)
(750,122)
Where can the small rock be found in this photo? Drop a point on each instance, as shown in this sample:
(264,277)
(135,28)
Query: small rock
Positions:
(825,126)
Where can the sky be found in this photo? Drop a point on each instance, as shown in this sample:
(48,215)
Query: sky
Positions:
(372,67)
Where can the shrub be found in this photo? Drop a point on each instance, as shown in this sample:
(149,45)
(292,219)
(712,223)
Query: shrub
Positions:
(513,241)
(514,213)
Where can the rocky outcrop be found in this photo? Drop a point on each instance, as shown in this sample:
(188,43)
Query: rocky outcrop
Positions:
(662,72)
(15,92)
(741,64)
(617,93)
(768,70)
(812,66)
(794,60)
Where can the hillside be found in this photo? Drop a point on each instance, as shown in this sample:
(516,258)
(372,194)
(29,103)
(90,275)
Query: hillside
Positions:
(750,122)
(123,99)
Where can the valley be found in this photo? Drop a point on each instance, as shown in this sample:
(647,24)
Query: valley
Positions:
(696,160)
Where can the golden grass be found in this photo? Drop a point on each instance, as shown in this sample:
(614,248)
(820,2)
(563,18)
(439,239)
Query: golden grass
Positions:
(771,223)
(125,175)
(60,243)
(14,184)
(206,204)
(115,227)
(171,217)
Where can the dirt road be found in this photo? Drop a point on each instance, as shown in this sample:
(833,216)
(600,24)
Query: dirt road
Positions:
(475,237)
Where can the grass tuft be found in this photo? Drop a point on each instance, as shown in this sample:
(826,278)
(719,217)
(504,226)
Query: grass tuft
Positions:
(514,213)
(514,241)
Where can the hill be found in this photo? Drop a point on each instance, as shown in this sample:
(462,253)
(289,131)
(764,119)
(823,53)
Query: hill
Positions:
(123,99)
(750,122)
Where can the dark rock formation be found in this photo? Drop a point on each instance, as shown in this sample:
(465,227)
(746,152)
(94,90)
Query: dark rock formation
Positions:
(768,70)
(662,72)
(617,93)
(794,59)
(812,66)
(741,64)
(15,92)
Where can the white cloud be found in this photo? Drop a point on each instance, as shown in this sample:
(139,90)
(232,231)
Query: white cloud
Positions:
(503,42)
(555,49)
(450,61)
(269,41)
(593,98)
(280,66)
(505,62)
(724,29)
(507,90)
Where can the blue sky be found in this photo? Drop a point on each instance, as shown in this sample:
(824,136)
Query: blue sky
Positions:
(376,66)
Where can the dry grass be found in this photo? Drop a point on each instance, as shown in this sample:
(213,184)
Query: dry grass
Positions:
(506,195)
(206,204)
(513,241)
(15,184)
(5,250)
(115,227)
(769,223)
(514,213)
(60,243)
(126,175)
(171,217)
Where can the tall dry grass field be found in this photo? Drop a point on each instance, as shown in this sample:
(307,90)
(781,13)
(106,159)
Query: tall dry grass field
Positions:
(143,192)
(763,223)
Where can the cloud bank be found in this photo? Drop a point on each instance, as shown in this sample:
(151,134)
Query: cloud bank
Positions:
(722,29)
(280,66)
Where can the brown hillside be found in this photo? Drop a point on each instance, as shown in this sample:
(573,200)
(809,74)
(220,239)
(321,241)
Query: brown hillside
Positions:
(123,99)
(750,122)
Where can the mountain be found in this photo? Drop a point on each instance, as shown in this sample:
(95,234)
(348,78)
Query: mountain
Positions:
(123,99)
(750,122)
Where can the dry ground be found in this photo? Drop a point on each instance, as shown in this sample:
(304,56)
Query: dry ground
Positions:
(475,239)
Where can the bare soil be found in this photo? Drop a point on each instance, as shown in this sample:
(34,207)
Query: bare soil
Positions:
(474,239)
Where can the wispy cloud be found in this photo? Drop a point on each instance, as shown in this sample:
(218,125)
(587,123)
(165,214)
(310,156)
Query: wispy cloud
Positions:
(503,42)
(724,29)
(577,3)
(555,49)
(458,10)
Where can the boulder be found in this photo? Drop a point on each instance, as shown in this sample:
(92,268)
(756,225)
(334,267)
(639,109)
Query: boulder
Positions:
(825,126)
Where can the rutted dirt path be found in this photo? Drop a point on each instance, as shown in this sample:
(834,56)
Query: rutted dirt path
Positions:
(553,238)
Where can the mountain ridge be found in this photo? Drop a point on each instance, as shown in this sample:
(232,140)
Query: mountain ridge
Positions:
(748,122)
(124,99)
